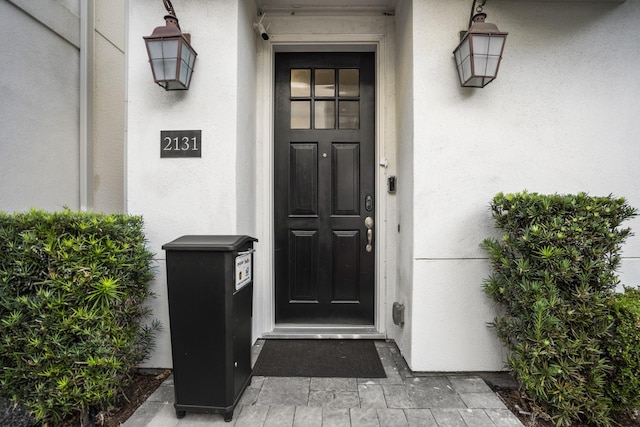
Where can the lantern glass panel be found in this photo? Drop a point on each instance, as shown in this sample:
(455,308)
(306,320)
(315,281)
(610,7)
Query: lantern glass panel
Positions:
(170,65)
(492,66)
(170,48)
(496,44)
(155,49)
(184,64)
(480,43)
(158,69)
(480,65)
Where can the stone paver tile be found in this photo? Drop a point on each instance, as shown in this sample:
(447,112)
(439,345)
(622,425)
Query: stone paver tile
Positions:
(163,394)
(426,395)
(306,416)
(252,416)
(403,368)
(469,384)
(503,418)
(280,416)
(448,417)
(369,381)
(336,417)
(482,400)
(393,377)
(392,417)
(371,396)
(420,418)
(438,383)
(334,384)
(145,413)
(256,382)
(203,419)
(476,418)
(364,417)
(397,397)
(334,399)
(165,417)
(386,358)
(249,396)
(284,391)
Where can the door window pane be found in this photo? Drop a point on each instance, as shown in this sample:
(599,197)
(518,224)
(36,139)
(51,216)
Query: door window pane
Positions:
(300,114)
(325,83)
(349,112)
(349,82)
(325,115)
(300,83)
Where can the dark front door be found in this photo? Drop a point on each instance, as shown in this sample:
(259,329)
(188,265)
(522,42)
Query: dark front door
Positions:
(324,188)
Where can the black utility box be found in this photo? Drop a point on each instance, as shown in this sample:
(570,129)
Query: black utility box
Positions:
(210,290)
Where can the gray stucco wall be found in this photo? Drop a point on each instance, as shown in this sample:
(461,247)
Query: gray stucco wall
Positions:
(50,157)
(39,114)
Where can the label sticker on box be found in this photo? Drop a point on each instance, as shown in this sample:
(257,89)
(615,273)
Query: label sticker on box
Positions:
(243,270)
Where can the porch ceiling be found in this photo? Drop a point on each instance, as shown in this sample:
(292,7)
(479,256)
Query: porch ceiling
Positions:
(373,6)
(304,6)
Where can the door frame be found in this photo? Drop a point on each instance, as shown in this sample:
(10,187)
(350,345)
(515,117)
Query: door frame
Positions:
(264,298)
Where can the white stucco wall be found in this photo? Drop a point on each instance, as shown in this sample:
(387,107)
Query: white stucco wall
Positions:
(213,194)
(559,118)
(405,123)
(39,114)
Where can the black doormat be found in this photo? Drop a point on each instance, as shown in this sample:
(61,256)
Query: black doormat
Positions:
(319,358)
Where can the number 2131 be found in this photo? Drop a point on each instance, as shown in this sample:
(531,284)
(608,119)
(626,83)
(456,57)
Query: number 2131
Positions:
(180,144)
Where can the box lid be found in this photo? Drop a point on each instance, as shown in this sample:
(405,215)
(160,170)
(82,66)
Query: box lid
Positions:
(208,243)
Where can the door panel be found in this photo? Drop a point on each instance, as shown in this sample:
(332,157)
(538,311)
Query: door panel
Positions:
(324,160)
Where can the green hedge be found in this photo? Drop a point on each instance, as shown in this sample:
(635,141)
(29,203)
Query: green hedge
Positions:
(571,338)
(72,313)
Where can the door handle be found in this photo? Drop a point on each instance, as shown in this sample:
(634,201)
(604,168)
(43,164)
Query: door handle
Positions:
(368,222)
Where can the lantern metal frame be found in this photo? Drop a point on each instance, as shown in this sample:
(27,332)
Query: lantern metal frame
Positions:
(171,56)
(479,53)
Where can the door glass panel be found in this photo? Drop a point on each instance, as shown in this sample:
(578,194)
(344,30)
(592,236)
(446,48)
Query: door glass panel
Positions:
(349,112)
(325,83)
(300,83)
(349,82)
(325,114)
(300,114)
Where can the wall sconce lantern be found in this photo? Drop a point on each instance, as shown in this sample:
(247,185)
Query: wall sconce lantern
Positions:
(480,50)
(170,53)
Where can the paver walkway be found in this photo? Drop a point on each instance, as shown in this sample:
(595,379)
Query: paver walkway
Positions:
(401,399)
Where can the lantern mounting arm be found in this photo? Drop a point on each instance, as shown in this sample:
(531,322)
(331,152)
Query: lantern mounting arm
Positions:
(474,9)
(172,12)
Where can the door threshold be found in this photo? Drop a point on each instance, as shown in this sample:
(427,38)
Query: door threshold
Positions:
(302,331)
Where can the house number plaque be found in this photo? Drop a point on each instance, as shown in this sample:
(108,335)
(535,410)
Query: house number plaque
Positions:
(180,143)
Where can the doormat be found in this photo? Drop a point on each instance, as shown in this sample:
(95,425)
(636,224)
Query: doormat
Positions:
(319,358)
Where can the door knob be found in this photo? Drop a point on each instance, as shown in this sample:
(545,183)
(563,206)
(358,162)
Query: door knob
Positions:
(368,222)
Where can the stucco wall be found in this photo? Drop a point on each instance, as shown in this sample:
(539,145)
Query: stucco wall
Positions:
(108,107)
(192,195)
(39,113)
(43,160)
(405,123)
(559,118)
